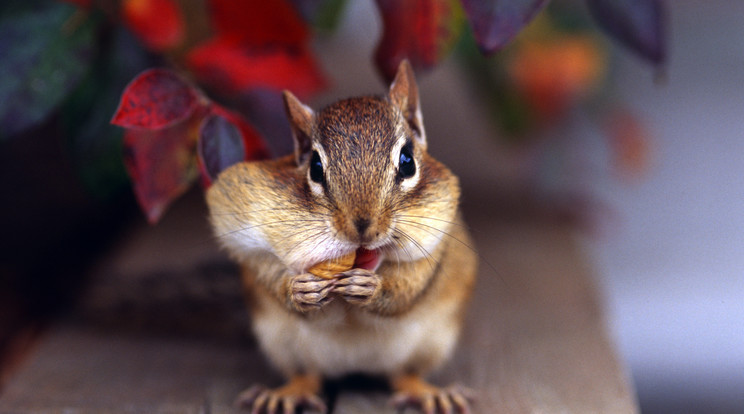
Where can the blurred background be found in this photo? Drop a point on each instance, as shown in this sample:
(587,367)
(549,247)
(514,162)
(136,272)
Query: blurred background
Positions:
(642,154)
(671,257)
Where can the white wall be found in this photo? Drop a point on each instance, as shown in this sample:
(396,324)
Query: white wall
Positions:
(673,265)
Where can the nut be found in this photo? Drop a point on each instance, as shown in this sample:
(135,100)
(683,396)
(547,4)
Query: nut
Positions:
(332,267)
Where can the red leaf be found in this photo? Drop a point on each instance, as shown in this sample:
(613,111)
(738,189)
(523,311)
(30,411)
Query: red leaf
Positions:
(157,98)
(638,24)
(225,139)
(161,164)
(424,31)
(259,22)
(158,23)
(233,67)
(496,22)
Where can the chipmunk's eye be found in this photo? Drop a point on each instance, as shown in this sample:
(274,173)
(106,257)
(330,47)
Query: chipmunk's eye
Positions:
(406,166)
(316,168)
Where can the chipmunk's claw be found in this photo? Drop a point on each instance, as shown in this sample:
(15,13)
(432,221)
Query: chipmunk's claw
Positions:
(445,401)
(357,286)
(261,400)
(309,292)
(301,392)
(429,399)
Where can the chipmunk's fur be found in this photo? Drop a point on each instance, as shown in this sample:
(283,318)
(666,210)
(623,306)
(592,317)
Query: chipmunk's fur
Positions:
(398,315)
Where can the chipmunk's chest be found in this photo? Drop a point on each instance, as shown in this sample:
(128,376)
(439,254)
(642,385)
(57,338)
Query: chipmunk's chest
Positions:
(340,339)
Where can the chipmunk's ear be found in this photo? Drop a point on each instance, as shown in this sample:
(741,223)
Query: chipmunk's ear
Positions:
(301,121)
(404,95)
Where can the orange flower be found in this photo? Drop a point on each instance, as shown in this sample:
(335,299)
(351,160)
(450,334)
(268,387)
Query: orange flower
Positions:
(554,73)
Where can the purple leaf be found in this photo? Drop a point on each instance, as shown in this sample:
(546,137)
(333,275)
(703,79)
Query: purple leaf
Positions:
(496,22)
(220,145)
(638,24)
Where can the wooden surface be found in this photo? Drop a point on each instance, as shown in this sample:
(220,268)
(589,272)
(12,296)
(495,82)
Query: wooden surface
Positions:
(163,330)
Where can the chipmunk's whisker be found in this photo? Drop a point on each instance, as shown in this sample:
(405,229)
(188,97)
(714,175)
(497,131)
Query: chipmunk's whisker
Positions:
(428,228)
(267,224)
(428,256)
(454,223)
(310,240)
(254,211)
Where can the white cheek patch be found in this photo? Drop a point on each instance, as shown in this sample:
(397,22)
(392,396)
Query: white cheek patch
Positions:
(240,237)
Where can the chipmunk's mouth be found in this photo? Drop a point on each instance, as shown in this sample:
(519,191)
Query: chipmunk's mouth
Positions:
(366,259)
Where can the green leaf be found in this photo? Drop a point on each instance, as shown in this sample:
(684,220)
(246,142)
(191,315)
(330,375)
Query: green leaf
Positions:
(45,52)
(489,82)
(323,15)
(95,145)
(328,15)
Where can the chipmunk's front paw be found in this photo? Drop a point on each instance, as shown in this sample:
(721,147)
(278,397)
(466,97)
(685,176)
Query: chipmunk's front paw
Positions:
(308,292)
(357,286)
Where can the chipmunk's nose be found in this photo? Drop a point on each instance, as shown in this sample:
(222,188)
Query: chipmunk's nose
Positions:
(362,224)
(362,228)
(366,228)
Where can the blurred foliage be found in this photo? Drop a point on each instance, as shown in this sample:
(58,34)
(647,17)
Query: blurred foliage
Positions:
(71,60)
(46,54)
(556,63)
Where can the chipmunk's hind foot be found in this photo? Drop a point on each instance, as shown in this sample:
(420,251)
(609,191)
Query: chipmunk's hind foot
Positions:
(413,391)
(301,392)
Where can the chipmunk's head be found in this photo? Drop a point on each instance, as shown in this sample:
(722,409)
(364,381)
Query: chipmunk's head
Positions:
(365,164)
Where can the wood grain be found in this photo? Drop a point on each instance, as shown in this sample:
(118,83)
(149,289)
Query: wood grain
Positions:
(534,341)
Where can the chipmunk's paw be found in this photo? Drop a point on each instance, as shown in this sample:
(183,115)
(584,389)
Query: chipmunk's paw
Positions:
(296,394)
(357,286)
(416,393)
(309,292)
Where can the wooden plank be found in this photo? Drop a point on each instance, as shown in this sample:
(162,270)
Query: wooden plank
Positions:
(83,371)
(534,339)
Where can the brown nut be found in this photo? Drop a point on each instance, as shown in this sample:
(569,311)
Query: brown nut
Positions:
(334,266)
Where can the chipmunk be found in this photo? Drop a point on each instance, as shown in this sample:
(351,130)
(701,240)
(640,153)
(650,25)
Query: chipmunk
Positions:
(359,181)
